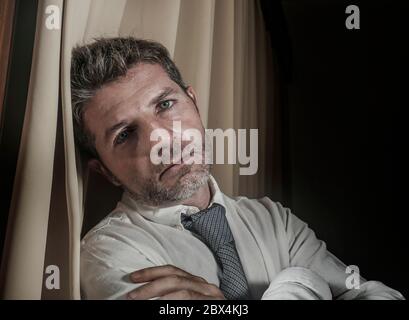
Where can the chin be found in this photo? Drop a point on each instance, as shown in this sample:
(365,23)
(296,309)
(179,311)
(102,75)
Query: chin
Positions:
(182,187)
(190,182)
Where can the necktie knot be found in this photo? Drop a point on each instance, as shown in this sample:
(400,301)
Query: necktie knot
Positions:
(211,225)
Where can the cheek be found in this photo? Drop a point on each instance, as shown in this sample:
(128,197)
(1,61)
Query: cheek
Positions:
(130,169)
(191,118)
(126,168)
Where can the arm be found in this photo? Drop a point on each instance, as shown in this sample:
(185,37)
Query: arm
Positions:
(297,283)
(111,269)
(307,251)
(105,272)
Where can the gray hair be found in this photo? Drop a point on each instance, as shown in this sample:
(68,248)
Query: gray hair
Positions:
(104,61)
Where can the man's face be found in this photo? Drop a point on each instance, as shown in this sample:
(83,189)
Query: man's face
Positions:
(122,115)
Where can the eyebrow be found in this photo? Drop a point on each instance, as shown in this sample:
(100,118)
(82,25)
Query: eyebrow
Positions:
(158,98)
(163,94)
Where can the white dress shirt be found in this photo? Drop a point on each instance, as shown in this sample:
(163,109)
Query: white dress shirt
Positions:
(280,255)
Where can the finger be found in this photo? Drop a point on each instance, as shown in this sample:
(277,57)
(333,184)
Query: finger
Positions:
(188,295)
(165,285)
(152,273)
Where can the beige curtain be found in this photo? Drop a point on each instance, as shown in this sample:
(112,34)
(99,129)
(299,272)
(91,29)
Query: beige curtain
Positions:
(6,18)
(221,49)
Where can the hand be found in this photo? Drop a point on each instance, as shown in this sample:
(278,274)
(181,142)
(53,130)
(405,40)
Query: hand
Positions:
(169,282)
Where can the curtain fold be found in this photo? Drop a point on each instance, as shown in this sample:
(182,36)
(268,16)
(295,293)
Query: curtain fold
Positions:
(25,243)
(6,23)
(72,33)
(221,50)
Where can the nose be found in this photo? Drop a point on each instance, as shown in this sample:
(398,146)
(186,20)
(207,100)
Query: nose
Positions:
(164,140)
(154,131)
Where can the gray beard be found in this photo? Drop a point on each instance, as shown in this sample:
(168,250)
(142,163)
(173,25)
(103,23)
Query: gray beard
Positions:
(154,194)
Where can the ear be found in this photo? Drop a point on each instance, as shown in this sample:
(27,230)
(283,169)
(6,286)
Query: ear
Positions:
(192,94)
(98,166)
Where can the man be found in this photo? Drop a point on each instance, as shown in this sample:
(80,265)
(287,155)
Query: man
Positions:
(174,234)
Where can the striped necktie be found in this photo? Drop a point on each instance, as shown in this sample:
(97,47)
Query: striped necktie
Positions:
(212,227)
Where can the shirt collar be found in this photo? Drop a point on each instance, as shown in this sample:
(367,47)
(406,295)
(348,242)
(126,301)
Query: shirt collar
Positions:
(170,215)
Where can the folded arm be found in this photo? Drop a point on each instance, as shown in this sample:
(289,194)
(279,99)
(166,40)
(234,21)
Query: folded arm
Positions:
(306,251)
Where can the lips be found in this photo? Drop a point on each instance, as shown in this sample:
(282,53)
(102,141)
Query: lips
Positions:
(171,170)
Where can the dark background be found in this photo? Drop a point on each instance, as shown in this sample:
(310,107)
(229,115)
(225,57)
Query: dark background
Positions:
(343,95)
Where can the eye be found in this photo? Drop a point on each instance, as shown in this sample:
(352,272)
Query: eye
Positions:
(167,104)
(121,137)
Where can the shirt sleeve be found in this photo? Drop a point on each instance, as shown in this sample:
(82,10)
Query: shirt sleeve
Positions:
(306,251)
(106,266)
(296,283)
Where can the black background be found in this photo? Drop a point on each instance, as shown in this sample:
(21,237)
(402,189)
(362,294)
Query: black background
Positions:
(344,131)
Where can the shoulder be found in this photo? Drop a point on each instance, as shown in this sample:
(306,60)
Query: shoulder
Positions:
(260,208)
(261,213)
(109,226)
(118,233)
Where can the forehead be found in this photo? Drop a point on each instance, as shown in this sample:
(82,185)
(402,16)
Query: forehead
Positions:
(122,98)
(136,88)
(140,81)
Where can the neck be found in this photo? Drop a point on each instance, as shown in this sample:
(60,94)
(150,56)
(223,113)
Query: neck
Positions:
(201,198)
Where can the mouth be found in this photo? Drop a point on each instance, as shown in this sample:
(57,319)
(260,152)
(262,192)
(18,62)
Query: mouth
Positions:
(171,170)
